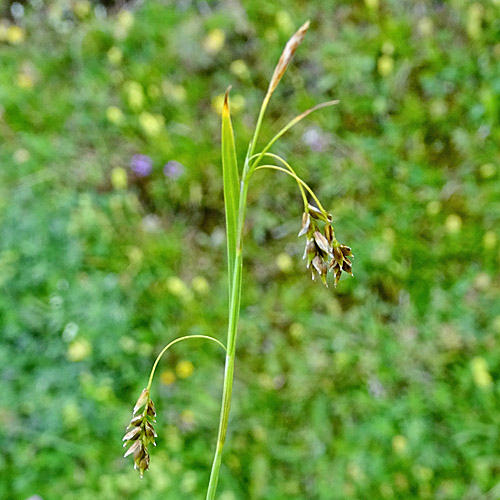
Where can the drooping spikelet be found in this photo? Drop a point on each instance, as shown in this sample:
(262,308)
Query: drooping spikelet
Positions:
(140,432)
(323,252)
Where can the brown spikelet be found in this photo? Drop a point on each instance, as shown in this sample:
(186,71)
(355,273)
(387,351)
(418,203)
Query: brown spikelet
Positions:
(323,252)
(287,55)
(322,242)
(306,222)
(140,432)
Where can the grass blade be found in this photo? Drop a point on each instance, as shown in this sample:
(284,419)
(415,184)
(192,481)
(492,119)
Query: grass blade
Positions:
(231,186)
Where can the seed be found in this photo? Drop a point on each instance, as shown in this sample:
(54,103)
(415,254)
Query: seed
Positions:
(310,251)
(346,250)
(338,255)
(133,449)
(347,267)
(322,242)
(329,234)
(315,212)
(132,435)
(136,421)
(143,399)
(151,410)
(306,222)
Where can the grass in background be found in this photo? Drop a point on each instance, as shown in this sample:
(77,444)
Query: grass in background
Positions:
(387,389)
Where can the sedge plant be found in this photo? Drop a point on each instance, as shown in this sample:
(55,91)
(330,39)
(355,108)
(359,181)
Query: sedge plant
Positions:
(323,253)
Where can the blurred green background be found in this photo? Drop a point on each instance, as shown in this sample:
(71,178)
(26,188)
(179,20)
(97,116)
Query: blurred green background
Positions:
(387,387)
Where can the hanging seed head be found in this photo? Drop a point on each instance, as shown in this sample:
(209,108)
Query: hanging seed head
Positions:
(140,432)
(323,252)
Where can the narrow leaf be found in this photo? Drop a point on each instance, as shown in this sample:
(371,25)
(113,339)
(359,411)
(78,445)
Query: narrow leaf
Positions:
(231,186)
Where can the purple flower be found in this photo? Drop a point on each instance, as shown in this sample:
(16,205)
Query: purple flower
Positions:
(173,169)
(141,165)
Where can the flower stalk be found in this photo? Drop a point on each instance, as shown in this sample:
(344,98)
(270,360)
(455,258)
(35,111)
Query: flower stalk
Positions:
(323,253)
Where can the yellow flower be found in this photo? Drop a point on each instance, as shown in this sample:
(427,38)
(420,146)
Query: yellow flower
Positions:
(218,103)
(115,55)
(453,223)
(81,8)
(487,170)
(184,369)
(79,350)
(433,207)
(151,124)
(425,26)
(188,417)
(489,240)
(135,95)
(178,288)
(480,373)
(239,68)
(200,285)
(297,330)
(125,19)
(214,41)
(119,178)
(15,35)
(284,262)
(385,65)
(474,20)
(399,444)
(25,80)
(284,21)
(173,92)
(167,377)
(115,115)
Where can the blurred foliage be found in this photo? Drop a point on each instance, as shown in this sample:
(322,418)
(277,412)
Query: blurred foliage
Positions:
(387,387)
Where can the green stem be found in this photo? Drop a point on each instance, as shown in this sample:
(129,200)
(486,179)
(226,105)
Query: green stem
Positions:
(258,126)
(168,346)
(234,310)
(234,313)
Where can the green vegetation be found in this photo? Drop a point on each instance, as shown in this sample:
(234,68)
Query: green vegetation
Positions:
(385,387)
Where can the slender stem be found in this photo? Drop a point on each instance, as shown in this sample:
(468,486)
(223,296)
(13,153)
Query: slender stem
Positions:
(256,133)
(235,285)
(180,339)
(234,312)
